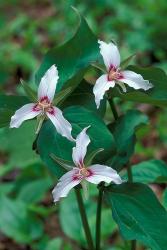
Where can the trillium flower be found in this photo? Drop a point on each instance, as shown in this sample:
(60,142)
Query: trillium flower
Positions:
(44,107)
(79,173)
(115,75)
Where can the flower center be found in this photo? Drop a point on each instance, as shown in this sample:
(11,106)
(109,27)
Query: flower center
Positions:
(84,172)
(114,74)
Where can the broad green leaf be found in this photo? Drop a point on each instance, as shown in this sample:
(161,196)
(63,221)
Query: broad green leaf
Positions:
(153,171)
(50,142)
(8,105)
(138,214)
(124,134)
(17,223)
(83,96)
(70,215)
(6,188)
(156,96)
(72,57)
(35,190)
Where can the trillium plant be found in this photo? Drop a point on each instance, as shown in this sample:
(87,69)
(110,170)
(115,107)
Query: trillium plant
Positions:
(81,147)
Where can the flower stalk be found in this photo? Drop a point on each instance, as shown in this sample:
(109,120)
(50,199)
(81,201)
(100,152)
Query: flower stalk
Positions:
(84,219)
(98,217)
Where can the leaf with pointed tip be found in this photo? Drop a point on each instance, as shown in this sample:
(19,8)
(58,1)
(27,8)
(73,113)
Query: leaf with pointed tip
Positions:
(138,214)
(73,57)
(124,64)
(92,155)
(31,94)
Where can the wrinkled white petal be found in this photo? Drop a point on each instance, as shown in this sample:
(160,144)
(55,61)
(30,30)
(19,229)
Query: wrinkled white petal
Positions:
(24,113)
(79,151)
(101,86)
(63,127)
(48,83)
(110,54)
(65,184)
(135,80)
(103,173)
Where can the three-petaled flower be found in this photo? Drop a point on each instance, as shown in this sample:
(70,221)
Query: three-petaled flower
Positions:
(95,173)
(114,74)
(44,107)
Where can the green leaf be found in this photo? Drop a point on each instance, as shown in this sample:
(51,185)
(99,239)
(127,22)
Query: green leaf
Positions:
(83,96)
(73,57)
(138,214)
(8,105)
(70,215)
(50,142)
(91,156)
(31,94)
(124,134)
(153,171)
(17,223)
(54,244)
(164,200)
(34,191)
(156,95)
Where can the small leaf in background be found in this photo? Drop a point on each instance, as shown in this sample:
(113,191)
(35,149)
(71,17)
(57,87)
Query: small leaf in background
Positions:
(8,105)
(34,191)
(50,142)
(138,214)
(54,244)
(16,222)
(73,56)
(152,171)
(124,134)
(18,143)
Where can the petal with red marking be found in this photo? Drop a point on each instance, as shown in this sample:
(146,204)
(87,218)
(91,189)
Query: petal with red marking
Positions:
(110,54)
(65,184)
(62,126)
(26,112)
(48,84)
(103,173)
(101,86)
(79,151)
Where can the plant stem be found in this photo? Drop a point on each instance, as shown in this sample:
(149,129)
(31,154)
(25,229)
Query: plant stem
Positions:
(133,245)
(113,108)
(84,219)
(98,217)
(129,170)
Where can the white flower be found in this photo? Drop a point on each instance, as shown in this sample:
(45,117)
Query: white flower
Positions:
(44,108)
(114,74)
(94,173)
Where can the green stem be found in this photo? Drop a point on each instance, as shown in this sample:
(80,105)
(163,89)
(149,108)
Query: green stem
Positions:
(98,217)
(129,170)
(133,245)
(84,219)
(113,108)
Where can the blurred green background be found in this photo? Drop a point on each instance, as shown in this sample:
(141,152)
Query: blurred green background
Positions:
(28,218)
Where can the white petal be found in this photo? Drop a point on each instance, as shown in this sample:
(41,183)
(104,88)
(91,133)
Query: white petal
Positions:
(24,113)
(110,54)
(65,184)
(48,83)
(101,86)
(103,173)
(63,127)
(79,151)
(135,80)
